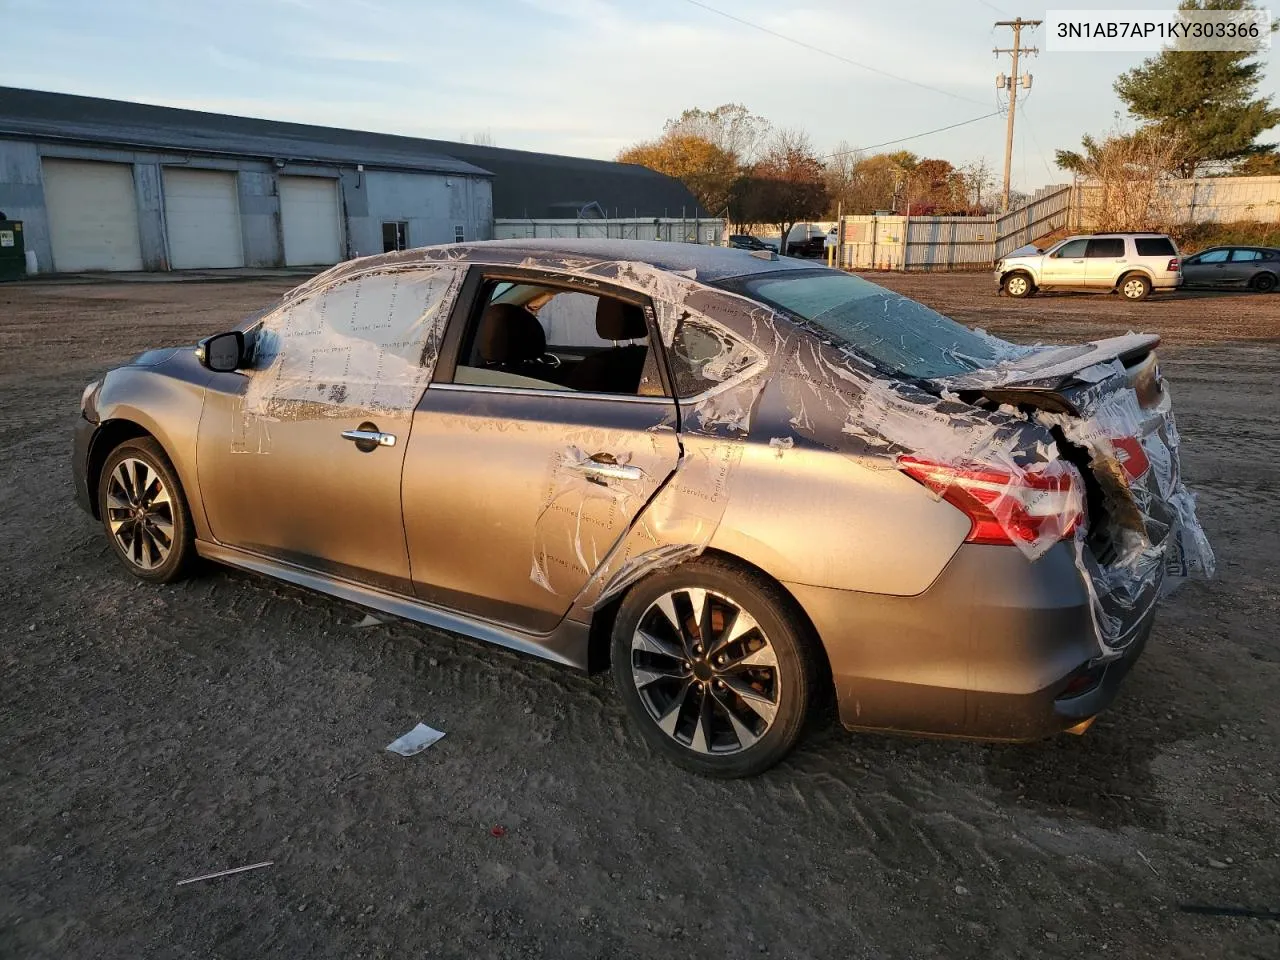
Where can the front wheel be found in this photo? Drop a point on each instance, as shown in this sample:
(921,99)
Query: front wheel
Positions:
(1018,285)
(145,513)
(1135,287)
(715,667)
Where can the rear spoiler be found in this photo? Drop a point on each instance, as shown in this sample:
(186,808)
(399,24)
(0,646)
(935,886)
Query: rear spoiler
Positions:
(1038,379)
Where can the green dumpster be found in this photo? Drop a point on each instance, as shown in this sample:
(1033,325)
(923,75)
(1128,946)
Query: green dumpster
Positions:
(13,257)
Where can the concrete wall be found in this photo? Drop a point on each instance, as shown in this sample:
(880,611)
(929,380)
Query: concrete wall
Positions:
(432,203)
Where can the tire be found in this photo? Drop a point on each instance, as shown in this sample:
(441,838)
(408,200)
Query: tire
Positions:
(1134,286)
(1018,285)
(685,697)
(1263,283)
(159,506)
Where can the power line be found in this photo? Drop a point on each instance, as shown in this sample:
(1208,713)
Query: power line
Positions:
(828,53)
(992,6)
(914,136)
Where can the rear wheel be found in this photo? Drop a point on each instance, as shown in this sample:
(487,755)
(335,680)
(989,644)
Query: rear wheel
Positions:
(1264,282)
(145,513)
(1135,287)
(714,667)
(1018,285)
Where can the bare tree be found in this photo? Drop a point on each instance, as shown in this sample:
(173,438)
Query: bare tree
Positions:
(979,177)
(731,127)
(1125,179)
(481,138)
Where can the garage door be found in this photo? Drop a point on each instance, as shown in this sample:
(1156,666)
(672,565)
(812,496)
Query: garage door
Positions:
(93,215)
(202,215)
(309,218)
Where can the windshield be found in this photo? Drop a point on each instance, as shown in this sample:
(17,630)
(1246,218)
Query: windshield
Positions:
(896,333)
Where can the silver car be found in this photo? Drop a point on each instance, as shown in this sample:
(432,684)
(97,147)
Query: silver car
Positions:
(744,482)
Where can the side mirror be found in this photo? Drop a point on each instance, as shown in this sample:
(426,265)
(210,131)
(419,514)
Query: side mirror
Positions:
(223,352)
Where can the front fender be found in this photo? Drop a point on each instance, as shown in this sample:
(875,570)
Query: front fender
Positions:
(166,401)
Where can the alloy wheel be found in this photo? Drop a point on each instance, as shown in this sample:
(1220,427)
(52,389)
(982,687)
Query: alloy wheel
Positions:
(1017,286)
(706,673)
(140,513)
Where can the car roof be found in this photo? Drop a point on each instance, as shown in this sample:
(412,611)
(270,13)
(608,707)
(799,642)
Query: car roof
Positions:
(709,264)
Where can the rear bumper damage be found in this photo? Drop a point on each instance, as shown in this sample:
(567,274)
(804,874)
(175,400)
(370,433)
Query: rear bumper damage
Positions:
(998,648)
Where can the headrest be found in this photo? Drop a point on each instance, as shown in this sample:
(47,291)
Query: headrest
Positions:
(616,320)
(510,334)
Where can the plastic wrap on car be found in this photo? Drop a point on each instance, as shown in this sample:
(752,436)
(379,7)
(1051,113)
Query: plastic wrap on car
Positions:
(364,343)
(786,383)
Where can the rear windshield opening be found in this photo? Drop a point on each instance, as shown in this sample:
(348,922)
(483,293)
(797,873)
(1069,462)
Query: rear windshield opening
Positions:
(893,331)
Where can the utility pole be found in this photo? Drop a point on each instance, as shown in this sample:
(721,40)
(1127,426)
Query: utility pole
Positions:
(1010,83)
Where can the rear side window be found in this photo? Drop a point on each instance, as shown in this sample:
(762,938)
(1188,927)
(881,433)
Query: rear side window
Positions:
(1239,256)
(1106,247)
(1155,247)
(704,355)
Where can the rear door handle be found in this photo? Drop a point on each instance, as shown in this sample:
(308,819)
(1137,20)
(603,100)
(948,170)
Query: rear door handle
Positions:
(607,471)
(374,437)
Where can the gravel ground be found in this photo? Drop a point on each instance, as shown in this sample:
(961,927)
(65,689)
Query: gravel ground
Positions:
(152,734)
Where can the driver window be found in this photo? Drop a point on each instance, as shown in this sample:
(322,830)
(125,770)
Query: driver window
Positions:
(1213,256)
(540,337)
(1072,249)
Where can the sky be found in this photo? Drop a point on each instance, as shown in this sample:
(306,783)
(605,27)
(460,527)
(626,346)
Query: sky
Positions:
(586,77)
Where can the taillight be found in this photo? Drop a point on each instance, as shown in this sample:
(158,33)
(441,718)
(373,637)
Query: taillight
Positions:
(1009,507)
(1173,265)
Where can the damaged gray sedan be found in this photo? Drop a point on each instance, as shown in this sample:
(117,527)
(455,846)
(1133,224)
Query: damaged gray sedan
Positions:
(740,482)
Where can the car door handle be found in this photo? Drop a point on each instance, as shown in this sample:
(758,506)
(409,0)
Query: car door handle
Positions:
(607,471)
(370,436)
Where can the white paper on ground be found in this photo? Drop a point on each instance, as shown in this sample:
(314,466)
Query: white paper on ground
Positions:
(415,741)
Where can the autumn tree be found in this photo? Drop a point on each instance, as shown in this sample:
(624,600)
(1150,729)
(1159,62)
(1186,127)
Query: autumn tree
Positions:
(707,170)
(1206,100)
(704,149)
(784,187)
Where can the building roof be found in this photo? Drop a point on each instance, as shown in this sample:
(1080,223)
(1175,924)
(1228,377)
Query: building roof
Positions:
(526,184)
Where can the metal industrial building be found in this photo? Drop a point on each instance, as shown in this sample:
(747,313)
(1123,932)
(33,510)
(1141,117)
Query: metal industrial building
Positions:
(112,185)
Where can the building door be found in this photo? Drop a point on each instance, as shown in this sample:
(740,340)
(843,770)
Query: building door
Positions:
(310,219)
(93,215)
(202,216)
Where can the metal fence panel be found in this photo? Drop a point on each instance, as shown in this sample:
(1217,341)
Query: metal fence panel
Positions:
(704,231)
(1203,200)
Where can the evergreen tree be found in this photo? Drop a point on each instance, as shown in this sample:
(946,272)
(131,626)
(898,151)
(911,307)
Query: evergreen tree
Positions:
(1208,100)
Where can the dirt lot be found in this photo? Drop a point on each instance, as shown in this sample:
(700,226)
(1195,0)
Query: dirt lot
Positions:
(152,734)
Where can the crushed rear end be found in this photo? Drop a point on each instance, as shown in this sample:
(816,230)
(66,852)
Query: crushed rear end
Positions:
(1134,531)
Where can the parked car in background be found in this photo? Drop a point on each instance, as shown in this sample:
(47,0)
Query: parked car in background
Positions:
(810,247)
(1132,264)
(1257,268)
(740,483)
(806,240)
(744,241)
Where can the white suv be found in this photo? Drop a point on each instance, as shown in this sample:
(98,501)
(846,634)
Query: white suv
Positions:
(1132,263)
